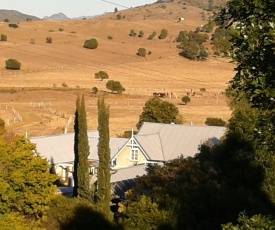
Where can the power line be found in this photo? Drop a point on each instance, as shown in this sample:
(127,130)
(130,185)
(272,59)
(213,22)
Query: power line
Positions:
(116,4)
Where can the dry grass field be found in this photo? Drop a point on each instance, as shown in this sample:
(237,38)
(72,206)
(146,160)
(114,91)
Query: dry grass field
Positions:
(36,102)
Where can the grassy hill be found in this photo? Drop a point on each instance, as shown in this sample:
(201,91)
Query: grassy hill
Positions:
(36,91)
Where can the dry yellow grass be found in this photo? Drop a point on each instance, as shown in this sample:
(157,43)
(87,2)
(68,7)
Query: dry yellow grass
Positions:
(44,65)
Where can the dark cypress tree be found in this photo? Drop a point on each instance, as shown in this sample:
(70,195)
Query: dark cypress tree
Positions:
(104,186)
(76,157)
(81,153)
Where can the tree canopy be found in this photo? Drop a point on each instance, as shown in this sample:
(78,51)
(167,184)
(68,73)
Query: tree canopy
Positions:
(159,111)
(26,184)
(253,48)
(115,86)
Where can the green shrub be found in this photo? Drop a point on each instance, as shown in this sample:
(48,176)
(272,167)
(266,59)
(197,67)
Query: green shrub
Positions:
(91,43)
(49,40)
(132,33)
(61,29)
(12,25)
(13,64)
(118,16)
(163,34)
(110,37)
(101,75)
(64,84)
(141,52)
(94,90)
(6,20)
(150,37)
(150,52)
(115,86)
(213,121)
(51,30)
(141,34)
(3,37)
(32,41)
(186,99)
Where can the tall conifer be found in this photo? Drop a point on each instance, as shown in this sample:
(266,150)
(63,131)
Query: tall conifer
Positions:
(81,170)
(104,187)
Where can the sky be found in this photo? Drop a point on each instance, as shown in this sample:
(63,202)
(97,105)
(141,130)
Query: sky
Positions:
(70,8)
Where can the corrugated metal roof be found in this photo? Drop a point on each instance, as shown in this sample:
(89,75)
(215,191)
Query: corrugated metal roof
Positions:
(60,148)
(128,173)
(175,139)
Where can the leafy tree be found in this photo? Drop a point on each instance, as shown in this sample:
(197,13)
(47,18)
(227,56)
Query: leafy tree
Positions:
(118,16)
(2,126)
(26,184)
(101,75)
(13,25)
(145,214)
(81,148)
(141,34)
(163,34)
(132,33)
(159,111)
(186,99)
(3,38)
(95,90)
(91,43)
(115,10)
(213,121)
(221,40)
(103,194)
(49,40)
(253,49)
(6,20)
(141,52)
(254,222)
(12,64)
(115,86)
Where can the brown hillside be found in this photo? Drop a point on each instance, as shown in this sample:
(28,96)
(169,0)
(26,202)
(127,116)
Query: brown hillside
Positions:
(47,66)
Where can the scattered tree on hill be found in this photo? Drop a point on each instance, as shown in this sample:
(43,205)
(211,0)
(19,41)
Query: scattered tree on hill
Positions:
(159,111)
(3,37)
(221,41)
(103,195)
(119,16)
(101,75)
(91,43)
(141,52)
(213,121)
(141,34)
(13,64)
(94,90)
(115,86)
(49,40)
(163,34)
(132,33)
(6,20)
(13,25)
(186,99)
(81,152)
(26,184)
(115,10)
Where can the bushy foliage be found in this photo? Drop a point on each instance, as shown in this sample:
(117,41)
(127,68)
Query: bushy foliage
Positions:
(110,37)
(213,121)
(208,28)
(145,214)
(94,90)
(75,213)
(91,43)
(3,37)
(15,221)
(163,34)
(49,40)
(118,16)
(141,34)
(221,40)
(159,111)
(151,36)
(61,29)
(141,52)
(13,64)
(132,33)
(191,45)
(2,126)
(186,100)
(101,75)
(115,86)
(13,25)
(254,222)
(27,186)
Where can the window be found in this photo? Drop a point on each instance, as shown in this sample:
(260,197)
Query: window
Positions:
(134,154)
